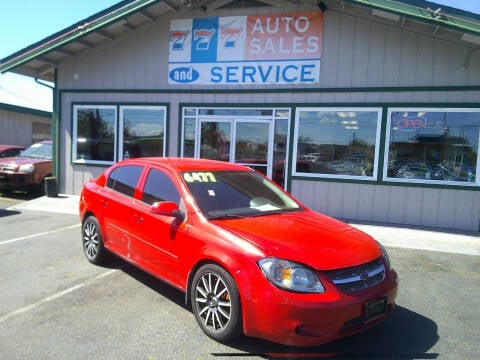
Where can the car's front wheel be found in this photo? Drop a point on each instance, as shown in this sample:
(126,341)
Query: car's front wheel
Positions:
(92,241)
(216,303)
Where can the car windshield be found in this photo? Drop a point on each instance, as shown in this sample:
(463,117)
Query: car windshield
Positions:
(236,194)
(40,150)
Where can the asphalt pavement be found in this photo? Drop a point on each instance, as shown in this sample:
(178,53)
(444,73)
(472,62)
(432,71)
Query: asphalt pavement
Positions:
(56,305)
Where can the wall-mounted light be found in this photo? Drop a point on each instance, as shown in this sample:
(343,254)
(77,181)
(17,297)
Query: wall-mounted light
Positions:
(321,5)
(203,8)
(187,3)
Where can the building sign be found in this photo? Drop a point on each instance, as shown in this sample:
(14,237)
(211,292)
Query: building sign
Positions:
(246,50)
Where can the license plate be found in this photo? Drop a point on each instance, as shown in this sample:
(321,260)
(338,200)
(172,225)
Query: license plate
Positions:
(375,308)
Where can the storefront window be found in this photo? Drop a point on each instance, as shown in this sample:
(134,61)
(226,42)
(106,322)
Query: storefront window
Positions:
(432,145)
(143,131)
(337,142)
(94,134)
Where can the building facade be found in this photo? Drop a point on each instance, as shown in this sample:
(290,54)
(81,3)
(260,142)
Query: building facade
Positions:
(363,112)
(23,126)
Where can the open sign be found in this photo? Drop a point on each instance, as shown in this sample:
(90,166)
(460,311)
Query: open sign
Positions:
(412,122)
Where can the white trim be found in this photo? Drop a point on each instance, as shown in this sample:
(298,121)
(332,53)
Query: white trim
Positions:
(120,154)
(75,135)
(379,112)
(427,181)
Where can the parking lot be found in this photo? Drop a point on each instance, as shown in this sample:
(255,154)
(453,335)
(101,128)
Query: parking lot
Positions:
(55,305)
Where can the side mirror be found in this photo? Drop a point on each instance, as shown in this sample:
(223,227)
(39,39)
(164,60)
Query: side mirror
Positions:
(167,208)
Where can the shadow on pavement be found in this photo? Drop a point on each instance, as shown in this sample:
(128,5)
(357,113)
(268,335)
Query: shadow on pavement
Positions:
(404,335)
(5,213)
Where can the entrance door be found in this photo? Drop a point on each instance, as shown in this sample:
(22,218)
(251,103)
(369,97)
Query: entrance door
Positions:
(257,138)
(252,143)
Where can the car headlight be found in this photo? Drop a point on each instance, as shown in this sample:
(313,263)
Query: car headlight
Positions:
(290,275)
(385,255)
(28,168)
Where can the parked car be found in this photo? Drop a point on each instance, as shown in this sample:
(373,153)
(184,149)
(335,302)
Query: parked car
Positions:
(10,150)
(28,170)
(251,259)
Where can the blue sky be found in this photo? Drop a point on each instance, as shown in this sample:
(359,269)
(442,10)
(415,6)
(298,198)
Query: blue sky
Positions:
(24,22)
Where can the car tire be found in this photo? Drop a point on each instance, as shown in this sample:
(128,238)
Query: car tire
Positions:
(92,241)
(216,303)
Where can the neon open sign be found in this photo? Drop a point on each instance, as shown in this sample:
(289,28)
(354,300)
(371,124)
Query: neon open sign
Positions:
(412,122)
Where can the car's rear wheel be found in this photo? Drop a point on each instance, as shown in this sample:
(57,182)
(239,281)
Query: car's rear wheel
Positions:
(92,240)
(216,303)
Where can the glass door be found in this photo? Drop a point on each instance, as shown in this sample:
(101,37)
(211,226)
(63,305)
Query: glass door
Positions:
(215,140)
(253,145)
(255,137)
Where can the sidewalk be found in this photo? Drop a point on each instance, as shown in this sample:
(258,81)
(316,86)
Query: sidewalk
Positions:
(388,235)
(63,204)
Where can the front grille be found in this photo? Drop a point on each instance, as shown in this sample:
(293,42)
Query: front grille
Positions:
(358,277)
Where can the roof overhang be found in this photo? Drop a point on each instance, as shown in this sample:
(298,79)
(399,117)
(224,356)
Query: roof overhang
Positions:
(40,59)
(426,12)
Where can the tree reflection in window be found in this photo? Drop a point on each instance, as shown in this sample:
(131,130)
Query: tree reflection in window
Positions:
(95,134)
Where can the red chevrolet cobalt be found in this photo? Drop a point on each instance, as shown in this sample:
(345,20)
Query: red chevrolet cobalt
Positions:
(251,259)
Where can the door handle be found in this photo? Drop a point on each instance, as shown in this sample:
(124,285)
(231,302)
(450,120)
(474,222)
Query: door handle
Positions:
(138,218)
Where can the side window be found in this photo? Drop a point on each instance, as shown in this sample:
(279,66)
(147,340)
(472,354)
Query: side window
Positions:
(159,187)
(124,179)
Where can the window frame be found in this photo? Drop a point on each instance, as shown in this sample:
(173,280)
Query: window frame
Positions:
(427,182)
(378,138)
(76,107)
(120,152)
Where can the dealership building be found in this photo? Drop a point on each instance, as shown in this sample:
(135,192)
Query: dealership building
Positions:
(363,110)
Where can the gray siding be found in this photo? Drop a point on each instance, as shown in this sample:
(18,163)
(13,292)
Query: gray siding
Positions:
(442,208)
(357,52)
(18,128)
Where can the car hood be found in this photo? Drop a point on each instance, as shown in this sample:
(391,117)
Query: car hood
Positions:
(306,237)
(17,161)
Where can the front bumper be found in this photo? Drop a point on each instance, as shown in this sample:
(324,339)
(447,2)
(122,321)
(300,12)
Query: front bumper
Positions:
(16,181)
(313,319)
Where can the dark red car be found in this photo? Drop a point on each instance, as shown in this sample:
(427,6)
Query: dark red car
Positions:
(251,259)
(28,170)
(10,150)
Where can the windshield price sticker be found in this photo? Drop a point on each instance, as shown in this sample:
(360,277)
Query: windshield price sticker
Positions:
(204,177)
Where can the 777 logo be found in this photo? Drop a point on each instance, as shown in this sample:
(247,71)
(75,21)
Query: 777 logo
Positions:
(177,39)
(230,37)
(202,38)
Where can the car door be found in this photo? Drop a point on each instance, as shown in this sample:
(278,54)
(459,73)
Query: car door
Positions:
(158,238)
(116,204)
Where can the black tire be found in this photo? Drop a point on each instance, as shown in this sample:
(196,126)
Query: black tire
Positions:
(92,241)
(216,303)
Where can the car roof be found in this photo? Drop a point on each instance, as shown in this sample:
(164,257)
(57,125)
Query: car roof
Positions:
(187,164)
(5,147)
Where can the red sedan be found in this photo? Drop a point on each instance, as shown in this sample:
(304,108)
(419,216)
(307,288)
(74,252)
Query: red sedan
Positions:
(251,259)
